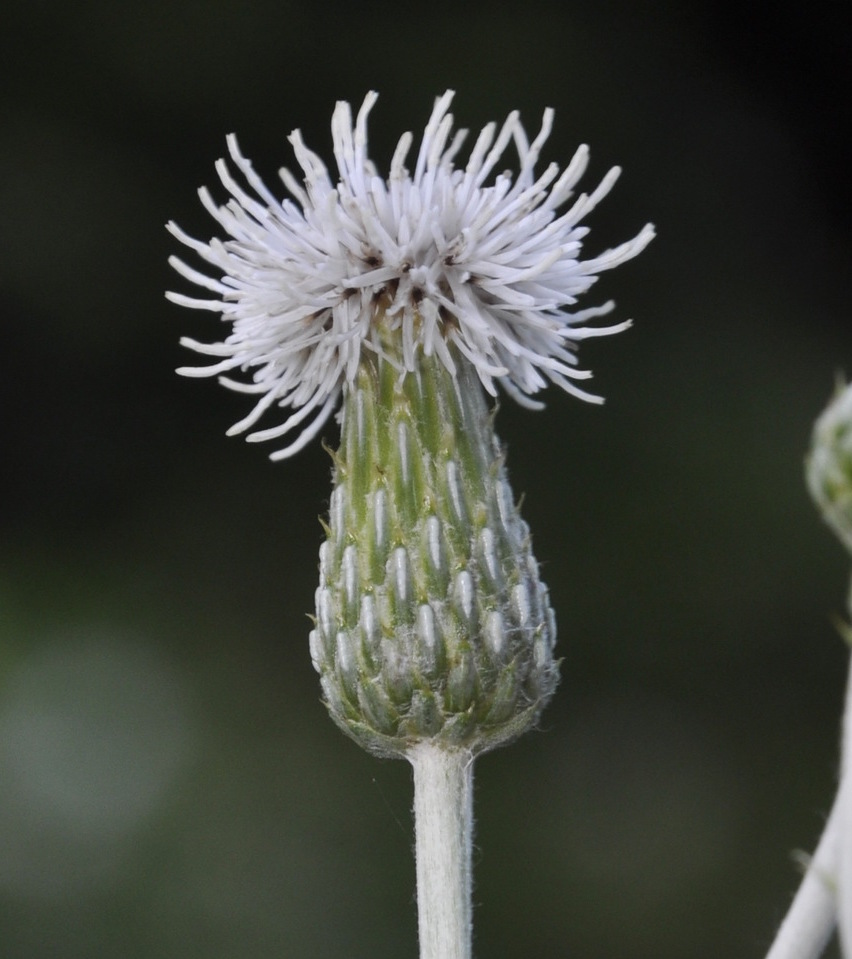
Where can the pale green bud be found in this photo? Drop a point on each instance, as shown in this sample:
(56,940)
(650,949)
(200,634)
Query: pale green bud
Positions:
(829,465)
(431,620)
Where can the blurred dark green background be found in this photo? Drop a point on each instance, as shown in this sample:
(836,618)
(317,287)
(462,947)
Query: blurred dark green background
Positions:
(170,785)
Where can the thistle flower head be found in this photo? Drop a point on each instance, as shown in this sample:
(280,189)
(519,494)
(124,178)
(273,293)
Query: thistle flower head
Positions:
(828,468)
(464,263)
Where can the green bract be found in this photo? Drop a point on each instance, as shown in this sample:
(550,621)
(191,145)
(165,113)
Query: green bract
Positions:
(431,620)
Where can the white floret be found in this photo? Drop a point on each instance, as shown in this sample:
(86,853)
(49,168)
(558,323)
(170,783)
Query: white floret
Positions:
(461,262)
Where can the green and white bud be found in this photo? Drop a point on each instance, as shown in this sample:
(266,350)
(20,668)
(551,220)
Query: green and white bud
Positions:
(829,465)
(431,621)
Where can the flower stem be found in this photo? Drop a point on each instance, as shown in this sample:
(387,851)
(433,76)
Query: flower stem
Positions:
(443,826)
(811,918)
(813,913)
(841,813)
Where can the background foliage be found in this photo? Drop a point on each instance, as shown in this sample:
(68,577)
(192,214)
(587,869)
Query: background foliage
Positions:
(169,783)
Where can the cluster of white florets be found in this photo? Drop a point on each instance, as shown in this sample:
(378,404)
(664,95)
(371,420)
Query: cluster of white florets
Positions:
(444,257)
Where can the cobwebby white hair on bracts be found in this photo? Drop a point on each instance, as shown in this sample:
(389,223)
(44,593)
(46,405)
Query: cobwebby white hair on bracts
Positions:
(448,259)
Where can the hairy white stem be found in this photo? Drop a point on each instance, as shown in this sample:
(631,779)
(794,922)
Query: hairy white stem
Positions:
(844,840)
(811,918)
(443,828)
(813,914)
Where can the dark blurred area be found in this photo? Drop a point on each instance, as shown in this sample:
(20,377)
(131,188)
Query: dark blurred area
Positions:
(169,782)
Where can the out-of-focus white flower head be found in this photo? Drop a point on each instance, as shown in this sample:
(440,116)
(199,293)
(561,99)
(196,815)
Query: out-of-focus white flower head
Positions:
(458,262)
(828,467)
